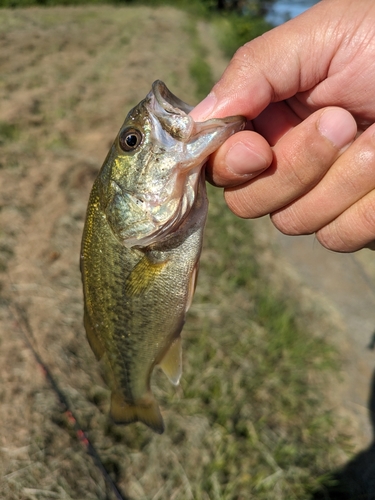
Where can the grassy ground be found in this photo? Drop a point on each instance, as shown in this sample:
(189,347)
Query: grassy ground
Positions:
(251,418)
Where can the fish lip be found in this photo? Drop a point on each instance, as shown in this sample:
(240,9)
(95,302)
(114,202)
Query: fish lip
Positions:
(171,103)
(168,101)
(171,112)
(173,115)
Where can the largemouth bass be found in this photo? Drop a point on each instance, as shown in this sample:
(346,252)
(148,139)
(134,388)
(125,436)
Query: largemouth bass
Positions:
(141,246)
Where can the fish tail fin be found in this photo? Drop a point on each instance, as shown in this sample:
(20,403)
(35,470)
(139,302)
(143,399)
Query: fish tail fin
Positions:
(146,411)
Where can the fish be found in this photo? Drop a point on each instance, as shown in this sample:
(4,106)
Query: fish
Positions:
(141,245)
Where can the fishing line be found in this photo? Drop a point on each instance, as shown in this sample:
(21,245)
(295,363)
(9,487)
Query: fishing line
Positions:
(20,317)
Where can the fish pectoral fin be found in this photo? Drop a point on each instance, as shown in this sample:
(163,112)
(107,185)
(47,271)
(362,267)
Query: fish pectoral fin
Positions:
(171,364)
(143,276)
(146,411)
(95,343)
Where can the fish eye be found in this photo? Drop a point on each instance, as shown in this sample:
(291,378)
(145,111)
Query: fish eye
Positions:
(130,139)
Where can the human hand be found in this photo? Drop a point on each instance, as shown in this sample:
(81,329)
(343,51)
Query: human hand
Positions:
(307,89)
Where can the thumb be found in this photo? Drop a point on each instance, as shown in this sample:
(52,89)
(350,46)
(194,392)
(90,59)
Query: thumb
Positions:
(291,58)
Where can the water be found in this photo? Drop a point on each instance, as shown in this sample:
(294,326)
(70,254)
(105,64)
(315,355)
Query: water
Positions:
(282,10)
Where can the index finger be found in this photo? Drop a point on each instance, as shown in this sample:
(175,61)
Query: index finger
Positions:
(275,66)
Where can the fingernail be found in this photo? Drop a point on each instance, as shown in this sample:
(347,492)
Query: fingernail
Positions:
(204,108)
(243,161)
(338,126)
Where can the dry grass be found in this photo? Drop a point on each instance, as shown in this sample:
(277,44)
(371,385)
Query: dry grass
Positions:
(249,419)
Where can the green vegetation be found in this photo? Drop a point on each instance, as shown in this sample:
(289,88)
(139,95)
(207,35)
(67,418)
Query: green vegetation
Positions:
(234,31)
(199,6)
(200,70)
(8,132)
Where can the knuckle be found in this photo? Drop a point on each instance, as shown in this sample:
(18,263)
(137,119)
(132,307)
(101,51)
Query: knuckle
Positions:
(246,61)
(291,221)
(353,229)
(243,205)
(245,55)
(242,63)
(360,171)
(297,174)
(302,158)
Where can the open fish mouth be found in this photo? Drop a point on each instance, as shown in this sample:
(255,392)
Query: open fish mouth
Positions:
(153,185)
(167,100)
(173,113)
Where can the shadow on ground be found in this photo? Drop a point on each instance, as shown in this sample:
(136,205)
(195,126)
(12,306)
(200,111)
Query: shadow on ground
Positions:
(356,480)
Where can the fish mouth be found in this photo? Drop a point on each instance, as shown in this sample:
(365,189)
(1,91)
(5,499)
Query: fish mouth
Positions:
(149,208)
(168,101)
(201,138)
(171,112)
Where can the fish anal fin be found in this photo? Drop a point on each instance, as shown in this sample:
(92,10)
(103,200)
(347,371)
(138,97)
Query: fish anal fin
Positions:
(95,343)
(171,364)
(146,411)
(143,275)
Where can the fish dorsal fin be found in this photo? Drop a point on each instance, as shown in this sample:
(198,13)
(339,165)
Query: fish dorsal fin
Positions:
(171,364)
